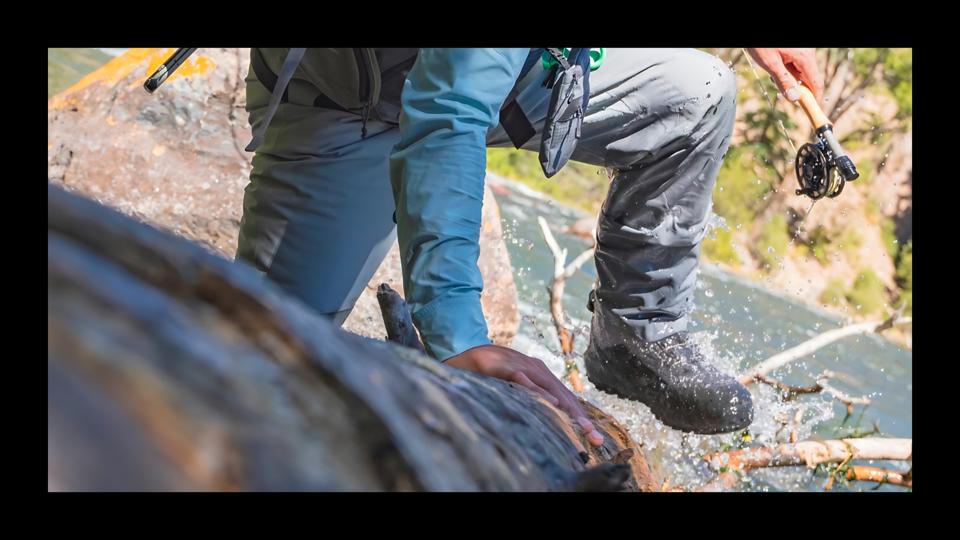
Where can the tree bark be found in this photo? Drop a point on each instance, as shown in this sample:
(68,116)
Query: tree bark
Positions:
(170,368)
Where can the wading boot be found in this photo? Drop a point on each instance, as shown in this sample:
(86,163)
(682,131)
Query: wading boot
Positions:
(670,375)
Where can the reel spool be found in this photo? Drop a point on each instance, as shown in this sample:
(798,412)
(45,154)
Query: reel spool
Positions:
(816,173)
(823,167)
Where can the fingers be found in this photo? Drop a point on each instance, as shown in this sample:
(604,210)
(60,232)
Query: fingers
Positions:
(782,77)
(529,372)
(568,402)
(521,379)
(593,434)
(804,67)
(787,66)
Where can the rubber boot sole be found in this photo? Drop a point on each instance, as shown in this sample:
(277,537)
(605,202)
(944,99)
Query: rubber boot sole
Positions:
(658,414)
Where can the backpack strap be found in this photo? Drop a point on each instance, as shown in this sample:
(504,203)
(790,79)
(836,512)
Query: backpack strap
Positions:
(515,121)
(512,118)
(264,74)
(290,64)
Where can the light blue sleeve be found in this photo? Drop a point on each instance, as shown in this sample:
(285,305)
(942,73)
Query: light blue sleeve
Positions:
(451,98)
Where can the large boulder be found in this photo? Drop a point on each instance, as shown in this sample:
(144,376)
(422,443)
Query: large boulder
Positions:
(175,159)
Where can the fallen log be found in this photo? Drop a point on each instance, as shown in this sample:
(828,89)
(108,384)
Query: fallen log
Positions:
(170,368)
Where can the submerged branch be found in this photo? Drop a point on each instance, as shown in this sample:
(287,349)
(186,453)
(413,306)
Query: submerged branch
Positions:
(783,358)
(789,392)
(812,453)
(561,272)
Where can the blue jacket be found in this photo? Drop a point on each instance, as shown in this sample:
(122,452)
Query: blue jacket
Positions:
(451,98)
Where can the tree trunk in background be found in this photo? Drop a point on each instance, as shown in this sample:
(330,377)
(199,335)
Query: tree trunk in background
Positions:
(171,368)
(175,159)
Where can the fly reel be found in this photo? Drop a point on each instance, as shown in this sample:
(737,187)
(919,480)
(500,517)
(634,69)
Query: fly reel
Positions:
(823,168)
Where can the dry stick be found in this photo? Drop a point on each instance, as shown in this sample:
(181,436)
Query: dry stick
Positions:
(812,453)
(807,347)
(759,372)
(560,275)
(876,474)
(789,392)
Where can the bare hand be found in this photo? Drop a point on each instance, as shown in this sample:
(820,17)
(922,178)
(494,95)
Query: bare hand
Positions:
(510,365)
(786,66)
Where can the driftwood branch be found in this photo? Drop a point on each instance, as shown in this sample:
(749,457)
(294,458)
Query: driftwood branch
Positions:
(837,455)
(879,475)
(561,273)
(813,453)
(170,368)
(783,358)
(789,392)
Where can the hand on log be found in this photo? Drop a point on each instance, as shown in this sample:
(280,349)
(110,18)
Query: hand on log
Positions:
(514,366)
(171,368)
(492,360)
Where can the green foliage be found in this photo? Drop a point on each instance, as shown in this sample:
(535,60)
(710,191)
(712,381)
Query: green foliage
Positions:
(67,66)
(773,241)
(577,184)
(818,243)
(719,248)
(889,237)
(897,73)
(867,294)
(821,243)
(833,294)
(906,300)
(867,168)
(764,131)
(849,241)
(739,194)
(904,276)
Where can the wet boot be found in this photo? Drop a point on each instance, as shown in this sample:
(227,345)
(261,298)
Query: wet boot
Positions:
(671,376)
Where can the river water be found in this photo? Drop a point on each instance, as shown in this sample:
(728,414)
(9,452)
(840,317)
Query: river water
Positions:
(739,324)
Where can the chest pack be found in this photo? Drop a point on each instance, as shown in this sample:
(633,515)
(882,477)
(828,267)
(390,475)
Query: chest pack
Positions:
(568,77)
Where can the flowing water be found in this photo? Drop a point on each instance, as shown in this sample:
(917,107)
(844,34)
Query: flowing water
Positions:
(738,324)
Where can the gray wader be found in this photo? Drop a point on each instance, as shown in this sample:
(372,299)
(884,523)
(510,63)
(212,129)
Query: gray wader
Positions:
(318,212)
